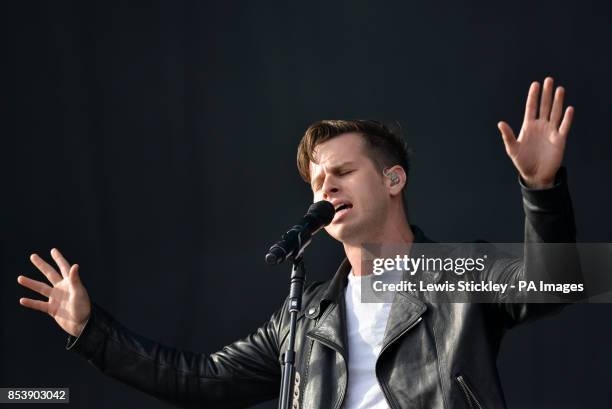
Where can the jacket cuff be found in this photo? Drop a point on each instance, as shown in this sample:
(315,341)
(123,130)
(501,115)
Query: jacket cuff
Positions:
(93,335)
(551,198)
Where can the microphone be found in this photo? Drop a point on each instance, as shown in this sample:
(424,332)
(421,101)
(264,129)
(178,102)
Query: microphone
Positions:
(293,242)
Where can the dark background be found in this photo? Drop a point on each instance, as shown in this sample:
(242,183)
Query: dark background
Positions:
(154,144)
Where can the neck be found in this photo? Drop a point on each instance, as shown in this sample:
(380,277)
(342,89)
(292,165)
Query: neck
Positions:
(397,233)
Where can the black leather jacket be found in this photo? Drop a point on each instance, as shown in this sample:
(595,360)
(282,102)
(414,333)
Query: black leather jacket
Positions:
(434,355)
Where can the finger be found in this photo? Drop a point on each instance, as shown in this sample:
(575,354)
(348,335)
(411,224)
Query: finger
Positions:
(508,136)
(63,265)
(74,274)
(531,107)
(546,101)
(557,108)
(46,269)
(35,304)
(35,285)
(567,121)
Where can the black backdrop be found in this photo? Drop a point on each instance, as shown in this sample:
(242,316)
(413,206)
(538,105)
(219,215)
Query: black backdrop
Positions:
(154,144)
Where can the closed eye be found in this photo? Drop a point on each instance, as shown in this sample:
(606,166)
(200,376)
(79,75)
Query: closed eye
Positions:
(317,185)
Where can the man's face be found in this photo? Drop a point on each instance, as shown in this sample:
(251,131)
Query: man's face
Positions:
(346,177)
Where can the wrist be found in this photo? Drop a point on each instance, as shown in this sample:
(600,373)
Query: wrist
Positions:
(78,328)
(538,183)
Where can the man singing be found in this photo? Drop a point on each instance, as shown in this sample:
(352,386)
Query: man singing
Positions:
(411,353)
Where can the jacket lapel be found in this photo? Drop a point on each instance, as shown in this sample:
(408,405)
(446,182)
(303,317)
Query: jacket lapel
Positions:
(330,330)
(405,313)
(331,327)
(406,310)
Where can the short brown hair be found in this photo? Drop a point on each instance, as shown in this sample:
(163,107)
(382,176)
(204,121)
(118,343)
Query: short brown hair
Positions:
(387,148)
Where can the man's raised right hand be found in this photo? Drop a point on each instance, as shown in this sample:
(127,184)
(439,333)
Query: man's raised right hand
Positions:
(68,302)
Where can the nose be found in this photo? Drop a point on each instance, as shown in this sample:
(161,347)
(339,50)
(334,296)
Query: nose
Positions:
(329,187)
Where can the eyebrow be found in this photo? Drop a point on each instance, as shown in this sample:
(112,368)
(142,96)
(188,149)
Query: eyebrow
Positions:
(333,169)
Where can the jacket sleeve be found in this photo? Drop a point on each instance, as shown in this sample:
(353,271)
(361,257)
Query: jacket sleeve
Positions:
(549,218)
(240,375)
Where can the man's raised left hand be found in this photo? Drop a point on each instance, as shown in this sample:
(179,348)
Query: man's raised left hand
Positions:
(538,151)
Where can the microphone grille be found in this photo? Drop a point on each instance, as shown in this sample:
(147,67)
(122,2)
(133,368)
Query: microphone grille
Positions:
(323,211)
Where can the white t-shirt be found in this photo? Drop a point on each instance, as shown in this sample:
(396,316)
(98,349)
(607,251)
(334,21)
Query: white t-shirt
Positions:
(366,323)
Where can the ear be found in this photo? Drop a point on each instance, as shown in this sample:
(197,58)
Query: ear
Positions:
(395,179)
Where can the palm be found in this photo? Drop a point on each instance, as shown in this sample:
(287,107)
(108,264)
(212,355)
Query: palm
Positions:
(538,151)
(68,302)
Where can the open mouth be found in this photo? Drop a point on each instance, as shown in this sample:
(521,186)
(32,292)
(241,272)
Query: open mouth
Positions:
(342,209)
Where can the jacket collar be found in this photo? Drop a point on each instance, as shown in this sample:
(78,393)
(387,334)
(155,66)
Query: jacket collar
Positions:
(331,328)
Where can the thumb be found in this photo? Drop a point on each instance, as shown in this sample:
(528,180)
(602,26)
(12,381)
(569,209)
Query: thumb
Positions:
(508,137)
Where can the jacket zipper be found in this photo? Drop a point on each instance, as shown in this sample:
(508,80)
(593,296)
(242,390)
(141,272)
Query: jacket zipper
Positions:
(382,385)
(469,394)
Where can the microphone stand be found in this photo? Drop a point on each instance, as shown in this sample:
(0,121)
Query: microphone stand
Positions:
(296,289)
